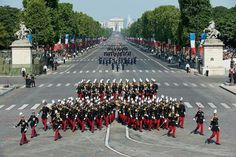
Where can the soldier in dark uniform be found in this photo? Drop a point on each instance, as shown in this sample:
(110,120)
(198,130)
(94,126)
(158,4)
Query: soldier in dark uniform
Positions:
(45,113)
(81,118)
(199,117)
(173,121)
(56,127)
(181,112)
(157,113)
(32,78)
(90,119)
(214,127)
(33,120)
(63,115)
(24,126)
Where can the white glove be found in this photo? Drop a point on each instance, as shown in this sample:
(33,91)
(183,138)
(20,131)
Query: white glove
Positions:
(142,117)
(136,118)
(37,114)
(194,119)
(47,115)
(204,120)
(86,115)
(25,129)
(209,128)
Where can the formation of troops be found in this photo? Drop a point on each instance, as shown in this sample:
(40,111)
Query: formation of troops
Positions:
(132,103)
(117,56)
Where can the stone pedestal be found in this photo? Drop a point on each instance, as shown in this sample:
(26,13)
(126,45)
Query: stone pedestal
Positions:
(213,57)
(21,54)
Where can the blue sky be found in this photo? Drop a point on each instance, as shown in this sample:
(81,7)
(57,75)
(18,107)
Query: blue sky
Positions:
(105,9)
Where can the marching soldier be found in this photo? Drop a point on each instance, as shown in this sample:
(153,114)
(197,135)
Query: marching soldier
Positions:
(33,120)
(173,121)
(24,126)
(181,112)
(45,113)
(56,127)
(214,127)
(199,118)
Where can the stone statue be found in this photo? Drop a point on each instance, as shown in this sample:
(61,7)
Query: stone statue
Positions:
(212,33)
(23,32)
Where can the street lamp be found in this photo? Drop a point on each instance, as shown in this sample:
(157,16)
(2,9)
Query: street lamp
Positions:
(231,71)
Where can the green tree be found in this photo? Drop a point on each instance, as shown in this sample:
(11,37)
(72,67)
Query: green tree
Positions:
(37,18)
(226,23)
(3,36)
(195,16)
(10,21)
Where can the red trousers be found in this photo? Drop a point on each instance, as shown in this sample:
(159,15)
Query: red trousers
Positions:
(81,124)
(23,138)
(99,123)
(33,132)
(217,134)
(181,122)
(172,129)
(140,125)
(157,123)
(72,124)
(106,120)
(64,125)
(57,134)
(199,126)
(44,121)
(114,95)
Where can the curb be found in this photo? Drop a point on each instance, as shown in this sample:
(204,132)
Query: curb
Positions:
(11,89)
(221,86)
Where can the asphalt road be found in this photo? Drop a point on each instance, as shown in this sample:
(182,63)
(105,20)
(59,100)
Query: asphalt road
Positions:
(117,140)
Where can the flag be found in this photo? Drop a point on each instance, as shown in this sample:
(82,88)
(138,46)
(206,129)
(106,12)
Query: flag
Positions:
(203,38)
(30,38)
(66,39)
(59,42)
(192,43)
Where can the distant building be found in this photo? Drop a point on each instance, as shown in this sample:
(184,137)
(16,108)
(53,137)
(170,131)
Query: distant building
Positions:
(116,24)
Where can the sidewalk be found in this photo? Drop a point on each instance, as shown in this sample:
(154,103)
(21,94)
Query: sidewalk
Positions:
(4,89)
(227,87)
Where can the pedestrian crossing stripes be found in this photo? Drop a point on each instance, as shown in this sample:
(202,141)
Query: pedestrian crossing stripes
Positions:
(187,104)
(225,105)
(212,105)
(199,105)
(23,106)
(165,84)
(10,107)
(35,107)
(106,71)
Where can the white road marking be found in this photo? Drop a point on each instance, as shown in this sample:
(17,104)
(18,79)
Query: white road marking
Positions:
(87,71)
(153,71)
(81,72)
(108,146)
(23,106)
(172,71)
(203,85)
(146,71)
(100,71)
(35,107)
(76,84)
(150,58)
(166,71)
(68,72)
(158,84)
(74,72)
(211,85)
(188,105)
(212,105)
(127,71)
(22,86)
(232,104)
(159,71)
(1,106)
(199,105)
(61,72)
(194,85)
(134,71)
(106,71)
(54,73)
(176,84)
(185,84)
(167,84)
(9,108)
(94,71)
(59,84)
(140,71)
(225,105)
(67,84)
(41,85)
(50,85)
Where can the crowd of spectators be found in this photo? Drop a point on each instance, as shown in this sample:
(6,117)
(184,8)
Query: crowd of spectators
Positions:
(228,53)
